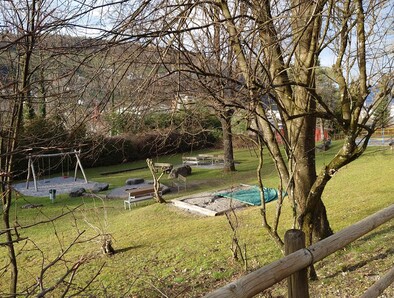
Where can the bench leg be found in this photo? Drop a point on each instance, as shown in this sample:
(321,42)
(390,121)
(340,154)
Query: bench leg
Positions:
(125,203)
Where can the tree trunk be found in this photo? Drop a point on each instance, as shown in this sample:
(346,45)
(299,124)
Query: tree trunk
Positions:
(314,222)
(312,213)
(156,181)
(225,120)
(8,145)
(6,202)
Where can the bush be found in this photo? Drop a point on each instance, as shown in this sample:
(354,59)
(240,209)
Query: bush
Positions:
(104,151)
(41,132)
(127,148)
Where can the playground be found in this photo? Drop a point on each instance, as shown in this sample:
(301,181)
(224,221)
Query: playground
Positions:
(170,239)
(209,203)
(62,185)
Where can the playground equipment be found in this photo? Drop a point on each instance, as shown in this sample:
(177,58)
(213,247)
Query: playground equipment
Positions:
(33,159)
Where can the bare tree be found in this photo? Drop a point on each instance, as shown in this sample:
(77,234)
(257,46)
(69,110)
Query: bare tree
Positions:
(50,54)
(156,180)
(276,46)
(206,65)
(290,41)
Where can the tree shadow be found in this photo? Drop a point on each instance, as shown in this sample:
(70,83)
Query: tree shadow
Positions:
(370,236)
(120,250)
(361,264)
(378,256)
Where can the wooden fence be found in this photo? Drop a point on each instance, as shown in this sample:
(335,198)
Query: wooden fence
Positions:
(265,277)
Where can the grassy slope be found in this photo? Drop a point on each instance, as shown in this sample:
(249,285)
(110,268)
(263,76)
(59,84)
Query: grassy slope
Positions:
(163,249)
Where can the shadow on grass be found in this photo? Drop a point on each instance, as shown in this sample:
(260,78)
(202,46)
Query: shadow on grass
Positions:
(378,256)
(374,234)
(127,248)
(361,264)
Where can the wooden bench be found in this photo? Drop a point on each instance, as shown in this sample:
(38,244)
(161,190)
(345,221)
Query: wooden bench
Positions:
(207,157)
(190,160)
(203,159)
(218,158)
(195,160)
(138,194)
(180,182)
(163,167)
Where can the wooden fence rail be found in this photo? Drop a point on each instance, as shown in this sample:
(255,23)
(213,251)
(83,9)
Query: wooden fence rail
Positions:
(265,277)
(380,285)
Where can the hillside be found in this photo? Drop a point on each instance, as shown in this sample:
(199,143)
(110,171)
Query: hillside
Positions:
(163,251)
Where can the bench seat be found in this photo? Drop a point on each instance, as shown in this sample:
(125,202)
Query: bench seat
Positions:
(195,160)
(138,194)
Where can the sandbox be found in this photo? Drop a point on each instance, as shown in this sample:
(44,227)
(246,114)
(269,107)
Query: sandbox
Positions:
(225,200)
(210,203)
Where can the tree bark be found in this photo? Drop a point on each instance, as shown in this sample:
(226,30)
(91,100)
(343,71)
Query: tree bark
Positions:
(8,146)
(9,239)
(156,181)
(225,120)
(298,103)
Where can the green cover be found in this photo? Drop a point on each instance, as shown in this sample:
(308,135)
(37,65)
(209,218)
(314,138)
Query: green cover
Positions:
(251,196)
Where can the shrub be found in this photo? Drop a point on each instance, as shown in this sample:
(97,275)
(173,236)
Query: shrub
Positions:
(114,150)
(104,151)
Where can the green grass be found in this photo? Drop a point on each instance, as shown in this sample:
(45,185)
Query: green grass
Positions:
(162,249)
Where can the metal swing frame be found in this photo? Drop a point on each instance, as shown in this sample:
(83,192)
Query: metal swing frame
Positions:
(31,169)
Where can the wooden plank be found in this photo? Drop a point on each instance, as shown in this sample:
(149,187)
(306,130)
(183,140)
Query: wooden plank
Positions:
(196,160)
(162,164)
(190,158)
(191,162)
(195,208)
(206,156)
(139,191)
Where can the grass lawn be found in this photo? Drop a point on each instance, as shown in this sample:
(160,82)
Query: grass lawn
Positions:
(163,251)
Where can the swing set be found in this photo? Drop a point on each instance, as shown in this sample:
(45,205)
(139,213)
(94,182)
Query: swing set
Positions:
(33,161)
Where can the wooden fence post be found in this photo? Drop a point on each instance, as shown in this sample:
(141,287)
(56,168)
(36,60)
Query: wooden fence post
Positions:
(297,283)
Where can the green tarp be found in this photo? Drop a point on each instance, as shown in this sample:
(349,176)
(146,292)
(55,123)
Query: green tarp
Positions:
(251,196)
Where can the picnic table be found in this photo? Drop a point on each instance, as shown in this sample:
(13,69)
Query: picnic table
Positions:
(163,167)
(203,159)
